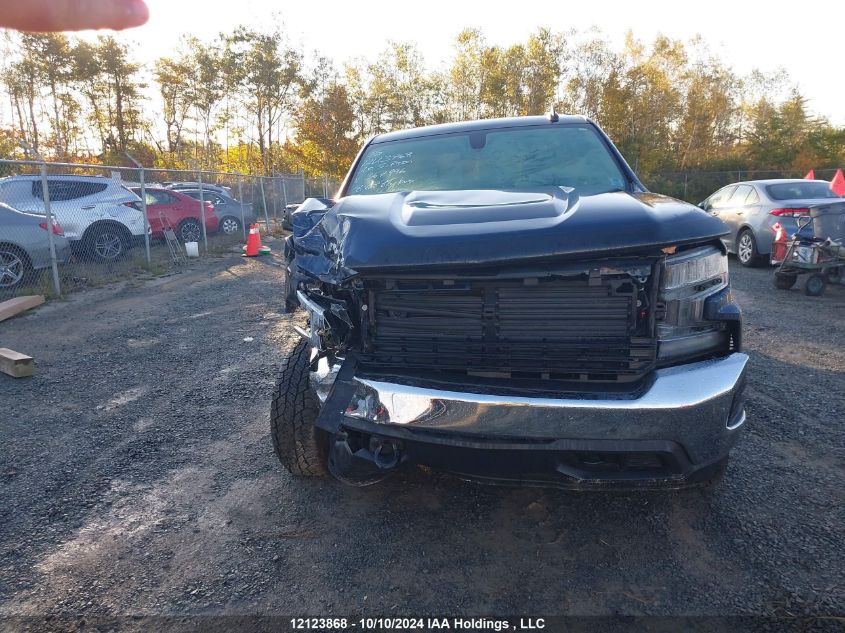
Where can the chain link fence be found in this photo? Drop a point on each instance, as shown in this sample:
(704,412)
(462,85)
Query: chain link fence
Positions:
(65,226)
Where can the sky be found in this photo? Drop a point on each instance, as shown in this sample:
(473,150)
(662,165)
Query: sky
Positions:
(745,34)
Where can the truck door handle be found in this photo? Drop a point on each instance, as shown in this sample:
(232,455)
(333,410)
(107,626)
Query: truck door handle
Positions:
(88,207)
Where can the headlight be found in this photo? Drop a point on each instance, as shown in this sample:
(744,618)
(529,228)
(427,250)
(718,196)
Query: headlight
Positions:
(695,267)
(689,280)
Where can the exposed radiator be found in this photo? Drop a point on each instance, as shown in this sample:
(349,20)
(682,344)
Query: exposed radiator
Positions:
(563,329)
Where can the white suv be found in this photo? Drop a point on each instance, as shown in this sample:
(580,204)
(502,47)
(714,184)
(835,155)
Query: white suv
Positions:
(91,210)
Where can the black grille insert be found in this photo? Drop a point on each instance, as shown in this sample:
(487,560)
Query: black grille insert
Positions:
(560,329)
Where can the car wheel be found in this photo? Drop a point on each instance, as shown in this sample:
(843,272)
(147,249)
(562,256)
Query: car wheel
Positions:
(107,244)
(814,285)
(746,249)
(190,231)
(229,226)
(785,281)
(14,267)
(299,445)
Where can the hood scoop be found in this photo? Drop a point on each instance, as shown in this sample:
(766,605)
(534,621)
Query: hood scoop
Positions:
(434,208)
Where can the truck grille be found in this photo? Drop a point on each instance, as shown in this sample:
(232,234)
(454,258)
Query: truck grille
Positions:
(552,329)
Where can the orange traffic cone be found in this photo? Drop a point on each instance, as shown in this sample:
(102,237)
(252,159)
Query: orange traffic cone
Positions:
(779,244)
(253,242)
(262,250)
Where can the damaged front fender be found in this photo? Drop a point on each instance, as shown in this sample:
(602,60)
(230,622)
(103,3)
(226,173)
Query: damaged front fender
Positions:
(329,324)
(315,245)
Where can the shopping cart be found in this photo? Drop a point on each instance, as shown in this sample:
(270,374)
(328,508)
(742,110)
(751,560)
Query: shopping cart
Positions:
(820,255)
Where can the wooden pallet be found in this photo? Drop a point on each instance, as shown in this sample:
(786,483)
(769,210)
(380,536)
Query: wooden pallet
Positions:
(15,364)
(15,306)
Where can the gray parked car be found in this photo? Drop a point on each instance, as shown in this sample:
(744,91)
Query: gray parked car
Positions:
(227,209)
(752,210)
(25,246)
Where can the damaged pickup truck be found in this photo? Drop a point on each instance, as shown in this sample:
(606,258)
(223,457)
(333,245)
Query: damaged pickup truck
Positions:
(504,300)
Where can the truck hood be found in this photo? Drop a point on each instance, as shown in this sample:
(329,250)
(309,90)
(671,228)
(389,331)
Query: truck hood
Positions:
(444,229)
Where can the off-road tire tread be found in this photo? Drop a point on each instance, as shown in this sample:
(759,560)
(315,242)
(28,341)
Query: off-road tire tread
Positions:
(292,415)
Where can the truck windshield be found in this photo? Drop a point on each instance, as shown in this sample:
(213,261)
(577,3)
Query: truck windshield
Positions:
(513,158)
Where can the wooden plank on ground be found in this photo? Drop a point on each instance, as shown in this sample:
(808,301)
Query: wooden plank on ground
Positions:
(15,306)
(15,364)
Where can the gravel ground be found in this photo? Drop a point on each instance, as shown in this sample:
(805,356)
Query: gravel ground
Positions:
(137,477)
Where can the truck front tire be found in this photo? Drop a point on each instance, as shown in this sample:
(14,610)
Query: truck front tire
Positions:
(299,445)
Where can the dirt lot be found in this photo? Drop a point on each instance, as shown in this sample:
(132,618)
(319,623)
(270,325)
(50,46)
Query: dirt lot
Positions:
(137,477)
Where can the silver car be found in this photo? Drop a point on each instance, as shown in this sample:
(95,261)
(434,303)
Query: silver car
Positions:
(25,246)
(93,211)
(752,209)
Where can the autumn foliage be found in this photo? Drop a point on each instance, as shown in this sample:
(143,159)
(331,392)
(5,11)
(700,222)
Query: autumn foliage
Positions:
(250,101)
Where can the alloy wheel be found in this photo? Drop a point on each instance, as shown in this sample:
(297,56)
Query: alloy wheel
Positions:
(190,232)
(229,226)
(11,269)
(108,246)
(745,248)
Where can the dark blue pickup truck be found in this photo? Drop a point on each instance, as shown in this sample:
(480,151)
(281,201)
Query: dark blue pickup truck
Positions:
(504,300)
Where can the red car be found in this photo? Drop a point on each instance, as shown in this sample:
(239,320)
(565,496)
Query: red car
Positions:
(166,208)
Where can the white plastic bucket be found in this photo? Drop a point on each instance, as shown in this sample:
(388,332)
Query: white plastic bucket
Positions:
(192,249)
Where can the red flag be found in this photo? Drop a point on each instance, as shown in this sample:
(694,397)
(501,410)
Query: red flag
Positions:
(810,175)
(838,183)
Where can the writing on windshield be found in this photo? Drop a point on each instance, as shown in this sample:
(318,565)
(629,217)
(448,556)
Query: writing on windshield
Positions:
(513,158)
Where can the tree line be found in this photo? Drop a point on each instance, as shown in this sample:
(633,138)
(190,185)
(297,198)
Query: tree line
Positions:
(251,101)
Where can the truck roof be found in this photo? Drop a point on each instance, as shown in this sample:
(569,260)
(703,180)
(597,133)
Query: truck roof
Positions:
(469,126)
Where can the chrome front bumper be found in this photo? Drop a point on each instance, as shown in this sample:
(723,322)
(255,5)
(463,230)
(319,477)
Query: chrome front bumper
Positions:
(697,406)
